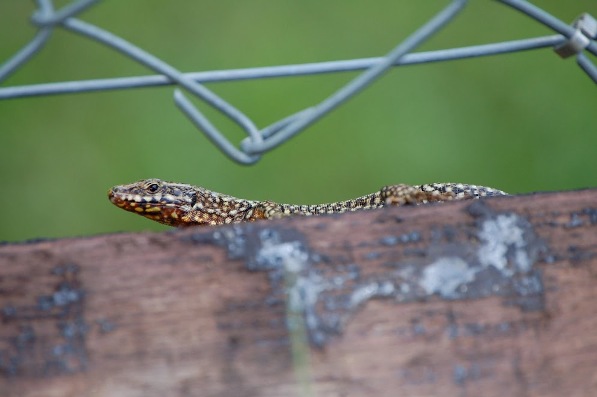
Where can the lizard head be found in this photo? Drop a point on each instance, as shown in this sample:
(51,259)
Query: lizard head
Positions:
(164,202)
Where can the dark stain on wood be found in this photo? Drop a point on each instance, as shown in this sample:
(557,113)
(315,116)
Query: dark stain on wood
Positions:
(46,337)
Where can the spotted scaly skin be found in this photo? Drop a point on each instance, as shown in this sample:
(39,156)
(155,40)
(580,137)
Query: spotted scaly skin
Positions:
(177,204)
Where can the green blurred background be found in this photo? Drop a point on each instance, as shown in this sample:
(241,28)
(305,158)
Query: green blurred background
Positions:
(520,122)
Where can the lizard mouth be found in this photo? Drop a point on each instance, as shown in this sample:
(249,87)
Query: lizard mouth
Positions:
(137,203)
(116,199)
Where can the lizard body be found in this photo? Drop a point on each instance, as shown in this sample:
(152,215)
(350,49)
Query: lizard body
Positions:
(177,204)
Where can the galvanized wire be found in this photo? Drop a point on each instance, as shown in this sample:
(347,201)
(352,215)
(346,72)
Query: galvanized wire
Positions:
(571,40)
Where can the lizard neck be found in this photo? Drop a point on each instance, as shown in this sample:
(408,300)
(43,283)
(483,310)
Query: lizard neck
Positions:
(211,208)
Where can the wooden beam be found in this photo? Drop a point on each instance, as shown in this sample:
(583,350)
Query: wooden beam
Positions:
(493,297)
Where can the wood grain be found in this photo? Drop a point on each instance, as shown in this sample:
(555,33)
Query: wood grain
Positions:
(487,298)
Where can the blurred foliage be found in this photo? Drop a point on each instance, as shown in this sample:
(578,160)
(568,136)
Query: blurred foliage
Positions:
(521,122)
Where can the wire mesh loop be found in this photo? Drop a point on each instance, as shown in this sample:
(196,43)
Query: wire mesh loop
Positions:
(203,123)
(586,29)
(578,39)
(359,83)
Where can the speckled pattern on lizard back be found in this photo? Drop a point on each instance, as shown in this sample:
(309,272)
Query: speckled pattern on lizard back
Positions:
(177,204)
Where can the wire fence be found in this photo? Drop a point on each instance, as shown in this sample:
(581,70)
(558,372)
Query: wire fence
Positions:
(570,40)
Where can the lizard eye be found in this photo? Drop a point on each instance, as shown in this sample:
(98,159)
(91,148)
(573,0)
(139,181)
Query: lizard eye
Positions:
(153,187)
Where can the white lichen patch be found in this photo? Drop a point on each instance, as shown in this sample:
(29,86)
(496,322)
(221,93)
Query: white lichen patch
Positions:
(446,275)
(498,236)
(371,290)
(288,255)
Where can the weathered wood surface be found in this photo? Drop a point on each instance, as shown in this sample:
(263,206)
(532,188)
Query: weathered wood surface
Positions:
(496,297)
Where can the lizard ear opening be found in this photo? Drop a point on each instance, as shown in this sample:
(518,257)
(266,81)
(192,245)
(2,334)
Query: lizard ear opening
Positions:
(193,199)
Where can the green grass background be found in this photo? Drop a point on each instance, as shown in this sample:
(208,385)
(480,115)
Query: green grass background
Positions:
(520,122)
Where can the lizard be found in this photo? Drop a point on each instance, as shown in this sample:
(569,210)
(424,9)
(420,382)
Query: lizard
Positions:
(177,204)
